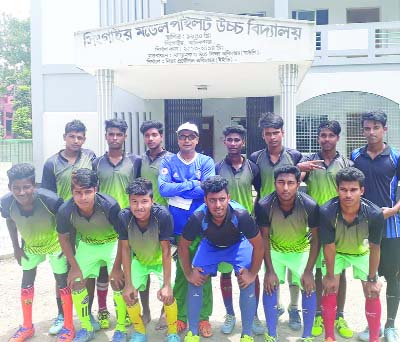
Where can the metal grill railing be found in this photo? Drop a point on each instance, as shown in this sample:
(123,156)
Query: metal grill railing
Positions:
(16,151)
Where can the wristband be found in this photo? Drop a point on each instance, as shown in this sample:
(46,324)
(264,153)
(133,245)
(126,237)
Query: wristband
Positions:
(373,279)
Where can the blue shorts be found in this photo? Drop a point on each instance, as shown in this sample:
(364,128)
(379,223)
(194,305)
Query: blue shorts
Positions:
(208,256)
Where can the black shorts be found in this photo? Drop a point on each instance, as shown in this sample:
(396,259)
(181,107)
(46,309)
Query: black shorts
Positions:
(389,264)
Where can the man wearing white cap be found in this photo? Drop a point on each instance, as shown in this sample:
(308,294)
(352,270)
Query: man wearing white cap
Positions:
(179,180)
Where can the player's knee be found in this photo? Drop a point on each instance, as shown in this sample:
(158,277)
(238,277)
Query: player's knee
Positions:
(226,275)
(61,280)
(28,278)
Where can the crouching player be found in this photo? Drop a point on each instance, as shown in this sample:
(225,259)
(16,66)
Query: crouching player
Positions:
(94,216)
(351,232)
(32,213)
(145,232)
(229,234)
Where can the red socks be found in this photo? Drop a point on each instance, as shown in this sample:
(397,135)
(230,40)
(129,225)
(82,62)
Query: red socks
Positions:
(26,302)
(329,308)
(373,314)
(102,290)
(66,300)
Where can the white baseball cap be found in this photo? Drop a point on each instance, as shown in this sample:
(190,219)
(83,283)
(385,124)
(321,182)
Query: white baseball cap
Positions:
(188,126)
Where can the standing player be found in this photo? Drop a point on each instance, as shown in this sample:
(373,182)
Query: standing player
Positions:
(32,213)
(228,234)
(321,169)
(115,171)
(267,160)
(351,231)
(153,132)
(380,164)
(56,177)
(180,177)
(241,174)
(95,217)
(145,233)
(286,218)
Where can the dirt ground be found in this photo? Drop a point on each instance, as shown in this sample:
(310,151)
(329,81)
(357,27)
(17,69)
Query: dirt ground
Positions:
(44,308)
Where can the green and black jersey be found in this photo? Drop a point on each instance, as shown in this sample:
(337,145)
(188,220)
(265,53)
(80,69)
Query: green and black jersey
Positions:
(57,172)
(239,181)
(321,184)
(113,179)
(262,158)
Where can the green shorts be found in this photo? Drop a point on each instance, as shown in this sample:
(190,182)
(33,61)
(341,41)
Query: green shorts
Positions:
(224,267)
(91,257)
(58,262)
(296,262)
(360,265)
(140,273)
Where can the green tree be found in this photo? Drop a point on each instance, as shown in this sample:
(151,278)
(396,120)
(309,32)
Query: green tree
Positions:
(22,123)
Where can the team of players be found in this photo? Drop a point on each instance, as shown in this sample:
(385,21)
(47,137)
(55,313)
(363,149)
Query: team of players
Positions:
(213,232)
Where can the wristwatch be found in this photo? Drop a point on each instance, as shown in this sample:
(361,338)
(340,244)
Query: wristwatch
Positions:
(373,279)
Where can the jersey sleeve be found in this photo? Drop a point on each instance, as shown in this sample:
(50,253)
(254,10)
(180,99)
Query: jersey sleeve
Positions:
(123,223)
(296,156)
(376,225)
(255,170)
(51,200)
(326,231)
(64,225)
(166,226)
(247,225)
(313,214)
(261,210)
(192,228)
(49,181)
(257,179)
(5,203)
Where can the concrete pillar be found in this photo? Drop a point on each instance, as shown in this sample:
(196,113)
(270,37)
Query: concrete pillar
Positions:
(288,74)
(281,9)
(105,82)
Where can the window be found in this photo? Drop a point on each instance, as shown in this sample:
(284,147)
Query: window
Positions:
(321,16)
(362,15)
(307,129)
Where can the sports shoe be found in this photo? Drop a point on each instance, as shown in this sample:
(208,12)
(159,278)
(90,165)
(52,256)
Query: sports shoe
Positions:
(246,338)
(192,338)
(364,335)
(329,339)
(180,326)
(268,338)
(257,326)
(119,336)
(205,329)
(104,319)
(22,334)
(229,324)
(57,325)
(294,319)
(318,326)
(342,328)
(281,310)
(391,335)
(95,324)
(84,335)
(173,338)
(65,335)
(138,337)
(307,339)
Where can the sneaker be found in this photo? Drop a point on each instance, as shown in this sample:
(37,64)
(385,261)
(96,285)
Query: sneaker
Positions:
(329,339)
(173,338)
(229,324)
(294,319)
(65,335)
(84,335)
(342,328)
(57,325)
(281,310)
(391,335)
(257,326)
(205,329)
(268,338)
(364,335)
(95,324)
(318,326)
(119,336)
(180,326)
(307,339)
(138,337)
(246,338)
(192,338)
(104,319)
(22,334)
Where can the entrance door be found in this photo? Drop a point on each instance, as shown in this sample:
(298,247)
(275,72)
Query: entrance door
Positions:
(206,143)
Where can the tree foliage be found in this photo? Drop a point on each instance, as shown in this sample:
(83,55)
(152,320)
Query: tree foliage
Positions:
(22,123)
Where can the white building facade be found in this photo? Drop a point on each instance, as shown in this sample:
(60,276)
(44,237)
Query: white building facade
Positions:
(347,64)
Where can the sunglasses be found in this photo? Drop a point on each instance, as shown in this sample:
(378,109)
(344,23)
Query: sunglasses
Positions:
(190,137)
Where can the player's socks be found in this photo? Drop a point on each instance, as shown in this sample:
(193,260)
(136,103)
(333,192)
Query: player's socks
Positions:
(257,291)
(26,302)
(271,311)
(171,316)
(66,299)
(329,308)
(102,291)
(248,305)
(226,290)
(59,304)
(136,319)
(81,304)
(120,310)
(373,314)
(309,307)
(194,302)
